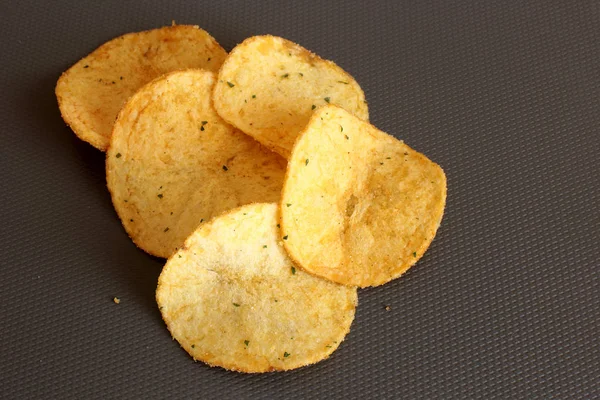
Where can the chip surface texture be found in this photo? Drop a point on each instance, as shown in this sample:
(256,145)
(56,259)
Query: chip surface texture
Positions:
(91,92)
(173,163)
(232,298)
(268,87)
(358,207)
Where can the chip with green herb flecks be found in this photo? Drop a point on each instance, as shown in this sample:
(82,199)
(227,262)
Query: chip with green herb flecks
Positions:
(269,86)
(365,208)
(91,92)
(231,303)
(166,174)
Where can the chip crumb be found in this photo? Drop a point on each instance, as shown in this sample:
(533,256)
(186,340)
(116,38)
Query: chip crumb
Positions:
(388,308)
(116,300)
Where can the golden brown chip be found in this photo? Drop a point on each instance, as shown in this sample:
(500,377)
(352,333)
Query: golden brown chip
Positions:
(268,87)
(358,207)
(232,297)
(174,163)
(91,92)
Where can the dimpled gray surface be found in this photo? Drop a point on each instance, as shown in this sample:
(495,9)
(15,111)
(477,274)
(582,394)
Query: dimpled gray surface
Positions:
(505,96)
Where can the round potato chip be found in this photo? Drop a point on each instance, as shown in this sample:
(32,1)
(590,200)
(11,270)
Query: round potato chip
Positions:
(91,92)
(174,163)
(268,87)
(358,206)
(232,298)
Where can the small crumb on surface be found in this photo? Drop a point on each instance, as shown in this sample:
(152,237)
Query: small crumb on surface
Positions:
(116,300)
(388,308)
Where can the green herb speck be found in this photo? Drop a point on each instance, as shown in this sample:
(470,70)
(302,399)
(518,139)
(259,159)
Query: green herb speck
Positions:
(193,346)
(306,162)
(300,73)
(347,137)
(236,305)
(86,66)
(118,155)
(264,246)
(344,82)
(246,342)
(293,270)
(313,107)
(327,99)
(341,128)
(166,229)
(253,96)
(278,226)
(225,168)
(414,253)
(285,237)
(286,354)
(230,84)
(285,75)
(288,204)
(160,196)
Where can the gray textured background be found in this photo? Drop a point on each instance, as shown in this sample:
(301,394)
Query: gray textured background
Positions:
(505,304)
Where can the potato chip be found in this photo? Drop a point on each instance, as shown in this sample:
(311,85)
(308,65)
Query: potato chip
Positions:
(91,92)
(232,298)
(358,207)
(174,163)
(268,87)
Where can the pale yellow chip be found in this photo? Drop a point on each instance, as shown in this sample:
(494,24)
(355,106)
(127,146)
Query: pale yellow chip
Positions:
(358,207)
(91,92)
(232,298)
(174,163)
(268,87)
